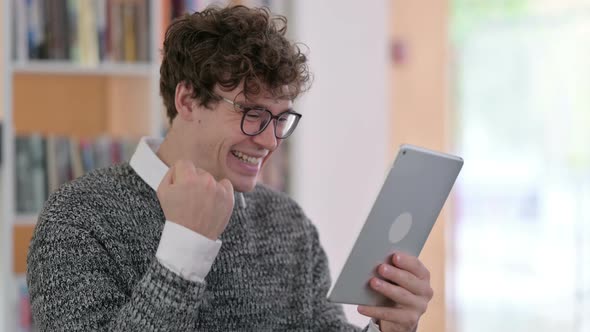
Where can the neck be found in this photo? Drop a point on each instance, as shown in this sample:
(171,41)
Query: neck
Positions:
(170,149)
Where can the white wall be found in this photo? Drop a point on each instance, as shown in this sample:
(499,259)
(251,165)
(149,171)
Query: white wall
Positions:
(340,152)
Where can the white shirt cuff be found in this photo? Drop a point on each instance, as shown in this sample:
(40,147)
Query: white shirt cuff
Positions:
(373,327)
(186,253)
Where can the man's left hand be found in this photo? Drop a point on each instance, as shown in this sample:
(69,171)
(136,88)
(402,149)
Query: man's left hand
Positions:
(407,283)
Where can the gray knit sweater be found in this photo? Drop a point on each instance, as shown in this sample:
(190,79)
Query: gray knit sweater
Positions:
(92,266)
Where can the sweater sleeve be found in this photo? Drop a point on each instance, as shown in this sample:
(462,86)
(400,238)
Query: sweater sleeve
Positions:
(75,285)
(328,316)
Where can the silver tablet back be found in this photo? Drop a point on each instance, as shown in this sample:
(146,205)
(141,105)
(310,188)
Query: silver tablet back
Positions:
(401,219)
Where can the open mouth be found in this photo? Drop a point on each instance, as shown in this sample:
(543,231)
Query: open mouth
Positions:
(246,158)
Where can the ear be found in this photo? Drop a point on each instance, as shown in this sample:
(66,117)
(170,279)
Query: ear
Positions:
(183,101)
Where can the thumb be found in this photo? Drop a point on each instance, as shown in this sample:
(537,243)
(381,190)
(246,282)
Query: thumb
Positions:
(229,188)
(169,177)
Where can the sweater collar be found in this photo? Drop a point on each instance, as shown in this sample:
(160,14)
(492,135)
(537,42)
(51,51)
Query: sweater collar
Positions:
(151,169)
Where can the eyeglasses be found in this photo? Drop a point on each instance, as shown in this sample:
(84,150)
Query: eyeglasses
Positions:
(255,119)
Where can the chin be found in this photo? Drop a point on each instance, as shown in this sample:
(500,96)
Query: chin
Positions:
(244,186)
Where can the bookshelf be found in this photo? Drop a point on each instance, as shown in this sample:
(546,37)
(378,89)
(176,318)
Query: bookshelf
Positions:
(100,85)
(68,69)
(5,226)
(81,89)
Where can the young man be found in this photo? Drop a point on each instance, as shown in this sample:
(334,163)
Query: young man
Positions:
(181,238)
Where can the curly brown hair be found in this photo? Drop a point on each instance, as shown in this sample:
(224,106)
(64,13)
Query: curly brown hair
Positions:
(227,46)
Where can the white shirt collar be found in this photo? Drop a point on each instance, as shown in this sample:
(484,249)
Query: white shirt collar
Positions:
(151,169)
(147,164)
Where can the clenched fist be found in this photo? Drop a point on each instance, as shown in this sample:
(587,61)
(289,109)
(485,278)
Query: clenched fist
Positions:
(191,197)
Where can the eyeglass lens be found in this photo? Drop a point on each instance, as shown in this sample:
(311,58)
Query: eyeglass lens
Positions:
(256,120)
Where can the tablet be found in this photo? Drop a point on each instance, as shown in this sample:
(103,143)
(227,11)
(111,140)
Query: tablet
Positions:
(400,220)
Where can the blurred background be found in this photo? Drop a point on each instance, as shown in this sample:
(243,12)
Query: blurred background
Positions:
(503,83)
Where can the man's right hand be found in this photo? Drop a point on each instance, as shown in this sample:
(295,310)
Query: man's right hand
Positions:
(192,198)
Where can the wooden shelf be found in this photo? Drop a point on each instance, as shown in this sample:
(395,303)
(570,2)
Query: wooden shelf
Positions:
(51,67)
(81,105)
(22,236)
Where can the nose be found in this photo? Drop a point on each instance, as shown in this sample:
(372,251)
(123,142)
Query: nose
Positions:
(267,138)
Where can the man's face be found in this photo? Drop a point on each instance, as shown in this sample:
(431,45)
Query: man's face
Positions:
(217,144)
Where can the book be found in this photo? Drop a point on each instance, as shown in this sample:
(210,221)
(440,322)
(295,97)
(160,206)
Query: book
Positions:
(88,37)
(100,9)
(31,176)
(51,165)
(81,31)
(129,28)
(72,22)
(25,316)
(43,164)
(76,158)
(87,155)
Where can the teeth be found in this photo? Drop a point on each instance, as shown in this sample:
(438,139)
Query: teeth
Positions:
(246,158)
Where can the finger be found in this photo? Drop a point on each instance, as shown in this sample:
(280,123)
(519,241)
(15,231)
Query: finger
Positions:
(200,170)
(227,192)
(229,188)
(405,280)
(402,317)
(168,177)
(411,264)
(399,295)
(184,170)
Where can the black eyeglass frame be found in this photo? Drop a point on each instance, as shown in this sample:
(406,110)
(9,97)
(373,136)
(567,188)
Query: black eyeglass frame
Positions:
(238,107)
